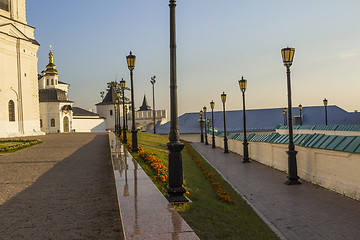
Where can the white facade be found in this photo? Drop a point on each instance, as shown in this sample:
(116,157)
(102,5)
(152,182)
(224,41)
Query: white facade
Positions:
(19,104)
(108,112)
(82,124)
(62,119)
(56,113)
(144,120)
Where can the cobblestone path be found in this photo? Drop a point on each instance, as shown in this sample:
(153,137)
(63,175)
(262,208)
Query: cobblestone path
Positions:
(60,189)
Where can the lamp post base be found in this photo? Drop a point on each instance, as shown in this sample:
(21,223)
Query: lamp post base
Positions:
(175,190)
(246,153)
(213,143)
(293,178)
(134,144)
(293,182)
(226,148)
(124,136)
(176,195)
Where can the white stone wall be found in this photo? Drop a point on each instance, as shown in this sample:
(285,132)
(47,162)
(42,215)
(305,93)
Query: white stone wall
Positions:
(104,111)
(49,110)
(191,137)
(89,125)
(334,170)
(144,119)
(18,75)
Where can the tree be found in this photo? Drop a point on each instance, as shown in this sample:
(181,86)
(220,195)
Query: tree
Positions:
(116,85)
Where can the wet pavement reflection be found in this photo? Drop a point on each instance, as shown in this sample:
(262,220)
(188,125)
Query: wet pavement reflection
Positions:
(145,212)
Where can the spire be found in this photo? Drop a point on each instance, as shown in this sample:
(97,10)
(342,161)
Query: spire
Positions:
(110,97)
(51,58)
(145,106)
(51,67)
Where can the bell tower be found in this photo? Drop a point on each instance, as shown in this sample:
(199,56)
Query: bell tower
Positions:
(19,94)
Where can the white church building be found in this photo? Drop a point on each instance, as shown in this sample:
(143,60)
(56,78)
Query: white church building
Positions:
(57,114)
(19,103)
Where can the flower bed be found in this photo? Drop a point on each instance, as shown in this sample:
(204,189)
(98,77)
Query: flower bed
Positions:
(159,169)
(222,194)
(23,144)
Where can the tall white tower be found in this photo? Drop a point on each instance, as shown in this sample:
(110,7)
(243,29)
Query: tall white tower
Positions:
(19,101)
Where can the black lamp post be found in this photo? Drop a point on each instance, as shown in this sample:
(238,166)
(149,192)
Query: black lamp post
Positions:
(126,117)
(293,178)
(325,101)
(118,113)
(284,112)
(300,108)
(154,112)
(223,99)
(243,84)
(212,105)
(201,127)
(115,117)
(205,120)
(208,125)
(175,190)
(131,65)
(122,85)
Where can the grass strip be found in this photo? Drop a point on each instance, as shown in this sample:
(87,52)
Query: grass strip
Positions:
(207,216)
(14,145)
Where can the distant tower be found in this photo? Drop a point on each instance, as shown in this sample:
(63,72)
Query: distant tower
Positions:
(105,108)
(145,106)
(19,103)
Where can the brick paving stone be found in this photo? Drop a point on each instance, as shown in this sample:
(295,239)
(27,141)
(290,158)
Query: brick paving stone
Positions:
(301,212)
(60,189)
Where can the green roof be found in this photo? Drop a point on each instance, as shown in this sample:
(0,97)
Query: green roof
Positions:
(349,144)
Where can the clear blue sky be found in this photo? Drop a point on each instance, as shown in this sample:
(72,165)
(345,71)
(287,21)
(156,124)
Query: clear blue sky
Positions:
(217,43)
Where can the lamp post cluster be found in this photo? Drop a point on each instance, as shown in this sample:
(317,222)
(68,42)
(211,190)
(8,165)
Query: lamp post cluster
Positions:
(242,85)
(122,86)
(293,178)
(174,188)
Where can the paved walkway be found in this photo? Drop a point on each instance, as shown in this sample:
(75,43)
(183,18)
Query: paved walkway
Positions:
(145,212)
(299,212)
(61,189)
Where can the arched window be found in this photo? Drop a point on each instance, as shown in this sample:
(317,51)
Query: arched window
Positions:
(41,123)
(52,121)
(110,112)
(47,82)
(52,81)
(11,111)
